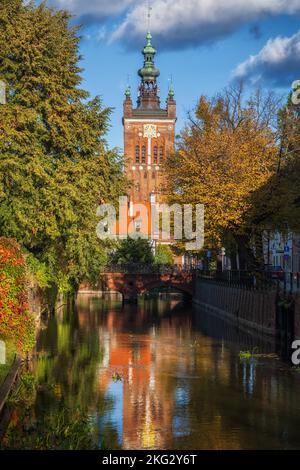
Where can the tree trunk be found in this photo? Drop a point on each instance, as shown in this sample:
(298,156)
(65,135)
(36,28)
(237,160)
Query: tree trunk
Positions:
(247,260)
(233,260)
(259,251)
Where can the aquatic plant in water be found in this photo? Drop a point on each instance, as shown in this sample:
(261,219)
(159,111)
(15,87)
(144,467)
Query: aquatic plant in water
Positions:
(247,355)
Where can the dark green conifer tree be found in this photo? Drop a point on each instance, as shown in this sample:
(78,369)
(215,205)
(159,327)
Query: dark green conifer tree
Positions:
(55,166)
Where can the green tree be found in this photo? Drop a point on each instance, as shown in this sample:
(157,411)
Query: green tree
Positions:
(277,204)
(163,255)
(133,251)
(55,166)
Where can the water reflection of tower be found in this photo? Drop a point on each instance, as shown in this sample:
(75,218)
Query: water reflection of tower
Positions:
(147,394)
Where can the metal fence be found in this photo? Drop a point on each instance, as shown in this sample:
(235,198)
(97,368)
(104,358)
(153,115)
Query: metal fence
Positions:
(286,281)
(135,268)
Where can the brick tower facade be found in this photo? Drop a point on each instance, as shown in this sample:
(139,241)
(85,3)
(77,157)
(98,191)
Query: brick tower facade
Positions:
(149,133)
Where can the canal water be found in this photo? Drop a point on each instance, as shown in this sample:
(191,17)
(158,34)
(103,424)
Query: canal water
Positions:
(159,375)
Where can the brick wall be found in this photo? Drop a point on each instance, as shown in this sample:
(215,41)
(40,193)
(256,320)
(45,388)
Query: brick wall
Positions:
(146,178)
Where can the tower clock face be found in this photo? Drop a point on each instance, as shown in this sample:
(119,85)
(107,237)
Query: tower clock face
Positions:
(150,131)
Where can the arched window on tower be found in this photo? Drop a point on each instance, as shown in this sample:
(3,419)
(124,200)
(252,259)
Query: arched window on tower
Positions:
(143,154)
(137,154)
(161,153)
(155,154)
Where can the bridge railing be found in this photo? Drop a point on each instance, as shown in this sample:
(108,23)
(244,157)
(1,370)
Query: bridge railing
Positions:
(135,268)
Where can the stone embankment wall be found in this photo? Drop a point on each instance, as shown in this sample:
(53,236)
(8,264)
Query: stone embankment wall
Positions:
(297,315)
(43,301)
(36,301)
(247,308)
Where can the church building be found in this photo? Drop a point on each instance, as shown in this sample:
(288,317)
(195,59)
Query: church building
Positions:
(149,135)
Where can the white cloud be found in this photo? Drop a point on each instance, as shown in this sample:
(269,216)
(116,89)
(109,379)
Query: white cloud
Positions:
(183,23)
(178,23)
(278,62)
(96,8)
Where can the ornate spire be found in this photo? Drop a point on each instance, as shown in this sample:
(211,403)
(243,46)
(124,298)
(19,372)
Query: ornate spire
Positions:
(128,91)
(149,74)
(171,92)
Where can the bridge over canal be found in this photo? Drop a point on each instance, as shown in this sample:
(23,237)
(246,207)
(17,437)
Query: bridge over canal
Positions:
(134,280)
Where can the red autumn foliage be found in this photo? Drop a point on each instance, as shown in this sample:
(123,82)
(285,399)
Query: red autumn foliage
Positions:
(16,322)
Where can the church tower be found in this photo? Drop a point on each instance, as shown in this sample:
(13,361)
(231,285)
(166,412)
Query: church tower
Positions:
(149,133)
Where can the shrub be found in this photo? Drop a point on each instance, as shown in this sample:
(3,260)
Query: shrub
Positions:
(16,321)
(163,255)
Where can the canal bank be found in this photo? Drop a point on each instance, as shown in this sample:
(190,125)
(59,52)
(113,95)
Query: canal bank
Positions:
(21,306)
(245,308)
(40,308)
(9,381)
(11,360)
(297,315)
(263,309)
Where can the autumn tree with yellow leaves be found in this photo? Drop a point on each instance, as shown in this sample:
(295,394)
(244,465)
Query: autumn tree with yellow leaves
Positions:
(226,152)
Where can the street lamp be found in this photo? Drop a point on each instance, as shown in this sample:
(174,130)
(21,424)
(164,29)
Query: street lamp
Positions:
(223,254)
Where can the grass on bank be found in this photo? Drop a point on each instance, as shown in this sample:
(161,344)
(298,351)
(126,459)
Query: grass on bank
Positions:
(10,357)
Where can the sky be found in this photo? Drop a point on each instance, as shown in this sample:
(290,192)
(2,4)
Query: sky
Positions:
(203,45)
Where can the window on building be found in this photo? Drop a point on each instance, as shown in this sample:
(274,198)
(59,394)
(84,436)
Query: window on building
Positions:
(137,154)
(138,225)
(143,154)
(161,153)
(155,154)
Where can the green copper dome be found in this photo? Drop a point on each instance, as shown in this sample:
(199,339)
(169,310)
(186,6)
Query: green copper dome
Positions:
(171,90)
(128,92)
(149,72)
(149,49)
